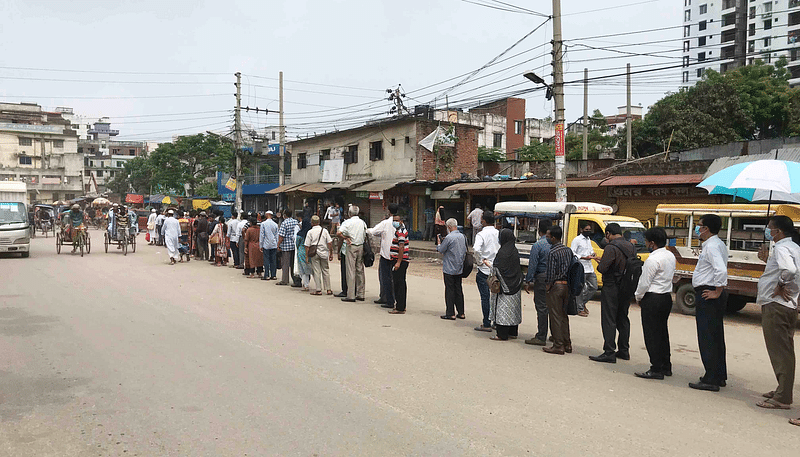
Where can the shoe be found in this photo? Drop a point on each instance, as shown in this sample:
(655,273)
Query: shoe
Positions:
(387,306)
(553,350)
(394,311)
(536,342)
(360,299)
(668,373)
(583,314)
(349,300)
(281,283)
(380,302)
(650,374)
(624,355)
(604,357)
(481,328)
(704,386)
(340,295)
(722,384)
(568,349)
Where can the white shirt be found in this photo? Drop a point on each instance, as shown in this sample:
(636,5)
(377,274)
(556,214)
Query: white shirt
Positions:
(239,227)
(475,217)
(782,267)
(320,238)
(712,265)
(232,225)
(487,243)
(385,231)
(582,247)
(355,229)
(657,273)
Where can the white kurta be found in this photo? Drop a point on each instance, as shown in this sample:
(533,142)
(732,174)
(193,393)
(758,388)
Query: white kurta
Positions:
(151,222)
(171,231)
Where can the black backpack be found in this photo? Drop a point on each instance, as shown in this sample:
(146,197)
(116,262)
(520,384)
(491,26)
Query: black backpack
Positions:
(630,277)
(575,277)
(368,257)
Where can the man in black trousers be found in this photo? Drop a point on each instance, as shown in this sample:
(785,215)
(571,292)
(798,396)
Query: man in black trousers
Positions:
(613,306)
(342,259)
(654,295)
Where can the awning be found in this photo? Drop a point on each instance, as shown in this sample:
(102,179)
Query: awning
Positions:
(283,188)
(312,188)
(522,185)
(201,204)
(379,186)
(134,198)
(651,180)
(347,185)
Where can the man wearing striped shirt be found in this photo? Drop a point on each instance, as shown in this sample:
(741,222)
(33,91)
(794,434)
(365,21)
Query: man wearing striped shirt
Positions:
(399,265)
(558,261)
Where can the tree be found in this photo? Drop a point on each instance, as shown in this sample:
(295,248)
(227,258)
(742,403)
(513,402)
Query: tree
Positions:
(536,152)
(189,160)
(490,154)
(136,174)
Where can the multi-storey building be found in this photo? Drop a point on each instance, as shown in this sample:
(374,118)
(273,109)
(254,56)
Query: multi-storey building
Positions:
(103,157)
(726,34)
(41,149)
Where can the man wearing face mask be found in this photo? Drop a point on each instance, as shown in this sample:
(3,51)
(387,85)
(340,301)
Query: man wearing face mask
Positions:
(582,247)
(654,295)
(709,280)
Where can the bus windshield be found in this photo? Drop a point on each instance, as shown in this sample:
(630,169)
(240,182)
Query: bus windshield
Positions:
(13,213)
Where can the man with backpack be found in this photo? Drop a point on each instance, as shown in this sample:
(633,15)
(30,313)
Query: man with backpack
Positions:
(618,257)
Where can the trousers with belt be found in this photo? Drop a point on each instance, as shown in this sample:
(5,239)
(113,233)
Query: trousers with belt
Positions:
(557,298)
(711,335)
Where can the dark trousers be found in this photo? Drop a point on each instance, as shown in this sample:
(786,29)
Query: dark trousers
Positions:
(287,263)
(213,253)
(557,298)
(270,262)
(655,312)
(400,288)
(540,302)
(711,335)
(202,248)
(453,295)
(483,289)
(779,323)
(428,231)
(343,270)
(252,271)
(505,331)
(385,277)
(614,318)
(235,251)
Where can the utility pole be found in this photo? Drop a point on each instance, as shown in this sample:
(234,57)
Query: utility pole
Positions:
(585,114)
(629,154)
(558,95)
(237,140)
(281,134)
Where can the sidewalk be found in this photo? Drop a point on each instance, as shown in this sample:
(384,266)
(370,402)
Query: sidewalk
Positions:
(423,250)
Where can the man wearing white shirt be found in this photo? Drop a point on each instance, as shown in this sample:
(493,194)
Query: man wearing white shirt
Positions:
(487,243)
(778,289)
(582,247)
(709,280)
(654,295)
(353,233)
(475,220)
(385,231)
(232,224)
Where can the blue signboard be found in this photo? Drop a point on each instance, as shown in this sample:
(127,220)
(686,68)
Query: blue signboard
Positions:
(224,192)
(274,149)
(247,149)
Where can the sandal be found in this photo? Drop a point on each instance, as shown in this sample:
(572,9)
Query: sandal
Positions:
(795,421)
(330,292)
(769,394)
(316,293)
(394,311)
(449,318)
(497,338)
(772,404)
(461,316)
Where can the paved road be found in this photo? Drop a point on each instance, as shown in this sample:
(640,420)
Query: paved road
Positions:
(112,355)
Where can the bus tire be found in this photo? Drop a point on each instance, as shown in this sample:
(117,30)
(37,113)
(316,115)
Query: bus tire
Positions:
(685,299)
(736,303)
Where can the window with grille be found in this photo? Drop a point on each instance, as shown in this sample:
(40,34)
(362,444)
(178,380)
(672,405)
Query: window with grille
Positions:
(24,160)
(376,150)
(59,144)
(325,154)
(302,160)
(498,140)
(351,154)
(25,142)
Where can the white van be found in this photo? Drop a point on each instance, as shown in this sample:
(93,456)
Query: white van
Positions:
(15,230)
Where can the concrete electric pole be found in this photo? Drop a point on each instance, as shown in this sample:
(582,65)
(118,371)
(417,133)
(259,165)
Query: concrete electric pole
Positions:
(558,95)
(281,135)
(237,140)
(629,154)
(585,114)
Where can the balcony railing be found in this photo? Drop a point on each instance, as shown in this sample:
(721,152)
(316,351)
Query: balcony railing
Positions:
(261,179)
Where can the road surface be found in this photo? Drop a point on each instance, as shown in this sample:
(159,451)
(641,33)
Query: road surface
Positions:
(112,355)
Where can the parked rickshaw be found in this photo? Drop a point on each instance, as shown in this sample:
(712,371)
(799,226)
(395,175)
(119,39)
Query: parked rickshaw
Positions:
(79,240)
(123,238)
(44,220)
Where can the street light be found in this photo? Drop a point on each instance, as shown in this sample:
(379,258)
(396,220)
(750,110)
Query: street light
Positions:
(560,156)
(536,79)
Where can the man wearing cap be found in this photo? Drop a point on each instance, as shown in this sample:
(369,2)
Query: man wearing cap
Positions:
(170,233)
(268,240)
(159,225)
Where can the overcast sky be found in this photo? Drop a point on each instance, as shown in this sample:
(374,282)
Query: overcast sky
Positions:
(164,67)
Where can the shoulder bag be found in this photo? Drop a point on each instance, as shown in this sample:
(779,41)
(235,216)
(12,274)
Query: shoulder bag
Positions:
(494,282)
(311,251)
(469,261)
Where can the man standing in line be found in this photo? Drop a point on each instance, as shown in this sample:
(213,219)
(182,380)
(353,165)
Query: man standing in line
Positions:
(487,243)
(151,226)
(202,236)
(268,240)
(354,234)
(429,214)
(241,227)
(286,246)
(170,232)
(654,295)
(778,289)
(709,280)
(336,218)
(613,306)
(385,231)
(159,225)
(475,220)
(582,247)
(212,224)
(558,261)
(453,249)
(342,262)
(232,224)
(537,272)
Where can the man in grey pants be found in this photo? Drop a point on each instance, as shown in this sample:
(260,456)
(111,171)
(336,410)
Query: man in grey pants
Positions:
(537,270)
(582,247)
(286,238)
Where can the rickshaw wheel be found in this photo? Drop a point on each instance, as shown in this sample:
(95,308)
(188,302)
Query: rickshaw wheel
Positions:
(81,242)
(58,243)
(105,240)
(88,243)
(133,244)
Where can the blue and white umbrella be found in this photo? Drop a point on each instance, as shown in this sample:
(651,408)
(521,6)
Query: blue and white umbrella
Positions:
(757,180)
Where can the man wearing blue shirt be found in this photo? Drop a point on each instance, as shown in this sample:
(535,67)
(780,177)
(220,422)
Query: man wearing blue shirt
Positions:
(537,269)
(268,240)
(453,249)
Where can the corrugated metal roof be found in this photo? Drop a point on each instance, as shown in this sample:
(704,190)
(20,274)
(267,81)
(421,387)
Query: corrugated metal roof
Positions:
(283,188)
(312,188)
(379,186)
(789,154)
(522,184)
(651,180)
(347,184)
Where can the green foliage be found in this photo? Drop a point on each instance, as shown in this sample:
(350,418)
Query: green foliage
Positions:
(536,152)
(445,154)
(490,154)
(749,103)
(207,189)
(190,159)
(136,174)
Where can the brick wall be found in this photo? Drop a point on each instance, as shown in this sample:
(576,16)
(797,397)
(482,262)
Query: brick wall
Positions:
(466,154)
(515,111)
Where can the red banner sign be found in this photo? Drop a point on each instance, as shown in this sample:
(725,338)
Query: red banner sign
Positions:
(559,139)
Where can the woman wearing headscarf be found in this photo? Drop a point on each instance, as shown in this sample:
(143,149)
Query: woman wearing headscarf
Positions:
(252,251)
(506,305)
(303,268)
